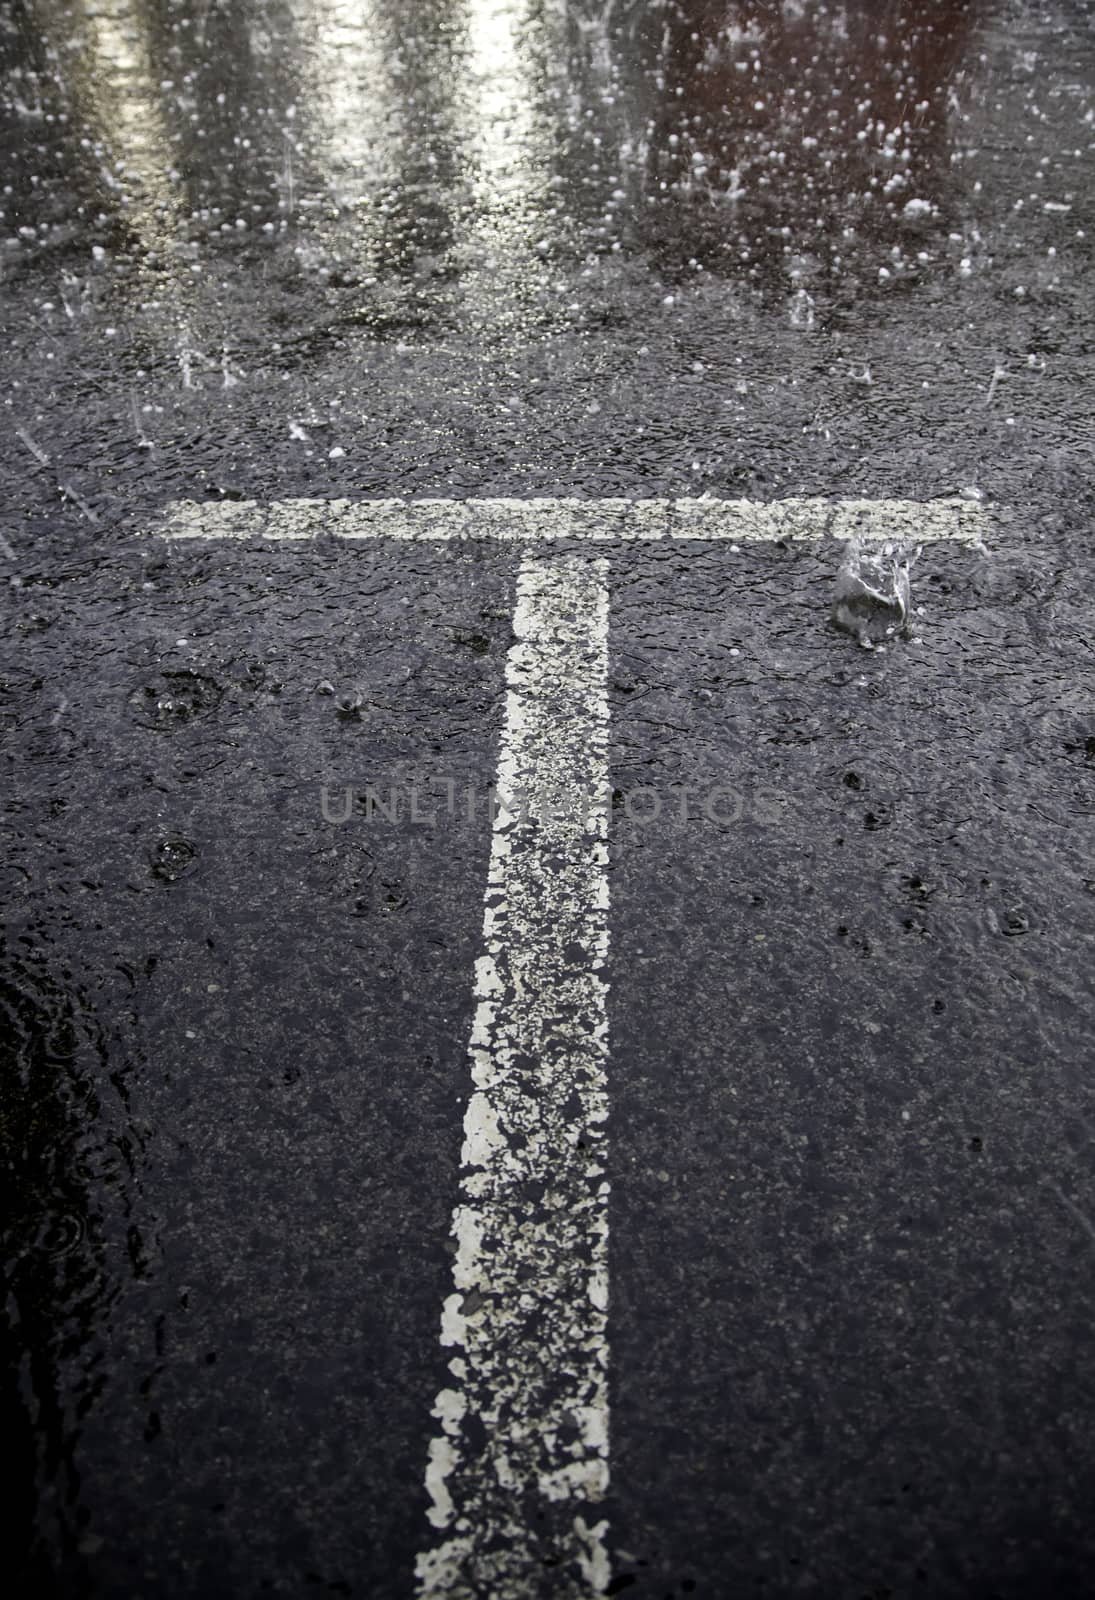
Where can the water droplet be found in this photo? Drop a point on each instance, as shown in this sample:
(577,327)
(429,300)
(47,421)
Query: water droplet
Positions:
(872,599)
(175,698)
(349,705)
(60,1234)
(172,859)
(248,672)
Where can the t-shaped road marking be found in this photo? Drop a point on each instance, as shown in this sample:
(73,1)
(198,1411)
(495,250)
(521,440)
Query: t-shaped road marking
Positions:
(518,1470)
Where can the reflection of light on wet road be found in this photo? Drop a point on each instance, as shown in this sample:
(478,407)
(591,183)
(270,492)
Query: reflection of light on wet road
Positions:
(505,139)
(121,95)
(793,142)
(434,131)
(502,125)
(354,107)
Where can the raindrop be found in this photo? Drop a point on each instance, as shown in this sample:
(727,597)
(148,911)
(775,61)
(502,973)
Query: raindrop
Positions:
(62,1041)
(248,672)
(871,600)
(175,699)
(802,310)
(478,643)
(60,1234)
(172,859)
(348,705)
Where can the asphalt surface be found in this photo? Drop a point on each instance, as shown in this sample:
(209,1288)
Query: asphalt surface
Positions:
(260,251)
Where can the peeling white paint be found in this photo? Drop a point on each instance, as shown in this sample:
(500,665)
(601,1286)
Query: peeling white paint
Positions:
(440,1465)
(525,521)
(523,1463)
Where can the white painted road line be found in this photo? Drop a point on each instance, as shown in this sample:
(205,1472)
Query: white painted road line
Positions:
(525,521)
(520,1465)
(518,1469)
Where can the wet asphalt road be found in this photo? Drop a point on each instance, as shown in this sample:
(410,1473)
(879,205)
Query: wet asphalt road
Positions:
(474,248)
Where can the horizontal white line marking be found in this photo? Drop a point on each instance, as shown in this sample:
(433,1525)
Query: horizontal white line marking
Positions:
(524,521)
(519,1468)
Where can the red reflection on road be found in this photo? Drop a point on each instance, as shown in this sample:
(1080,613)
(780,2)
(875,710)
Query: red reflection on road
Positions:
(802,116)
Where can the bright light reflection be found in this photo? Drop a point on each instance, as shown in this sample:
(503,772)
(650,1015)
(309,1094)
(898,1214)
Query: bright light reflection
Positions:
(118,95)
(354,106)
(507,141)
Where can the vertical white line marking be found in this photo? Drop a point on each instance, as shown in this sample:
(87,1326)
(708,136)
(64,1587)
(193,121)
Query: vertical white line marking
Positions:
(519,1467)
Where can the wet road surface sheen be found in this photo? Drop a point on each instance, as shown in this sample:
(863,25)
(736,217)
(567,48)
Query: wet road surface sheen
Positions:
(262,252)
